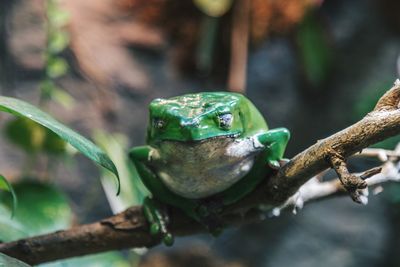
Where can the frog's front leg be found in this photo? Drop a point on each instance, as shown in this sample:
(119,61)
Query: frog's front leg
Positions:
(154,211)
(275,141)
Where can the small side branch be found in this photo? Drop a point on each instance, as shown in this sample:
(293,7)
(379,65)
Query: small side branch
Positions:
(351,182)
(315,190)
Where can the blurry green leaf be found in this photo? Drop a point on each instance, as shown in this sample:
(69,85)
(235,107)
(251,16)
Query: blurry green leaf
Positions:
(53,143)
(214,8)
(86,147)
(7,261)
(133,191)
(58,41)
(49,90)
(25,133)
(46,87)
(10,229)
(107,259)
(62,97)
(314,50)
(56,67)
(206,45)
(33,137)
(41,209)
(55,15)
(6,186)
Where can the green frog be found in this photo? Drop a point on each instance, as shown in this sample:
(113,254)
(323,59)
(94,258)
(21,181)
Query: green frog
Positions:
(204,151)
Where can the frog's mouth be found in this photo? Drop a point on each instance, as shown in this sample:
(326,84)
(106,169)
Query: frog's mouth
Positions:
(230,136)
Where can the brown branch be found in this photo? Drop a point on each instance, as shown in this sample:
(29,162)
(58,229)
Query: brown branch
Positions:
(351,182)
(315,190)
(376,126)
(129,228)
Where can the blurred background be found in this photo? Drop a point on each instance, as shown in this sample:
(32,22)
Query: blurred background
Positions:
(312,66)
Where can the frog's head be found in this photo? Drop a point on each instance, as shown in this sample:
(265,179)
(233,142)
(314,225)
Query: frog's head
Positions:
(195,117)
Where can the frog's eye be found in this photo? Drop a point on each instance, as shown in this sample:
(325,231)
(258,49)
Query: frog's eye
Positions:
(158,123)
(225,120)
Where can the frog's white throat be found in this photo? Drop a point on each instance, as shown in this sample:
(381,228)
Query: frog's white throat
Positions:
(201,169)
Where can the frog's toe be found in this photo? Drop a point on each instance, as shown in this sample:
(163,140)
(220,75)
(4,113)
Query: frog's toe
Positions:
(274,164)
(166,236)
(158,219)
(168,239)
(155,229)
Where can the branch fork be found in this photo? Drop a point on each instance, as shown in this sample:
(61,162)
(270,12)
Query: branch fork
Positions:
(352,183)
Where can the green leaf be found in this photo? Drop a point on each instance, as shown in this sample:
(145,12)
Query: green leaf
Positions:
(6,186)
(206,45)
(25,133)
(62,97)
(7,261)
(49,90)
(33,137)
(107,259)
(314,50)
(58,41)
(46,88)
(133,191)
(56,67)
(41,209)
(86,147)
(10,228)
(56,16)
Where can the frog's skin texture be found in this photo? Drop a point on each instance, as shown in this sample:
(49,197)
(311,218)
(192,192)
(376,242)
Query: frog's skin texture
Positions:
(204,151)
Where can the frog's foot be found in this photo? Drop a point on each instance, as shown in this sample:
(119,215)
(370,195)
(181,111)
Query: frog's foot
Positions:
(158,219)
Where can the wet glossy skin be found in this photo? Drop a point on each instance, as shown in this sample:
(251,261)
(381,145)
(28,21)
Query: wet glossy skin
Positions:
(196,117)
(205,146)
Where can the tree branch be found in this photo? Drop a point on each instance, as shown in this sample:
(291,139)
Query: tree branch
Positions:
(315,190)
(129,228)
(350,182)
(383,122)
